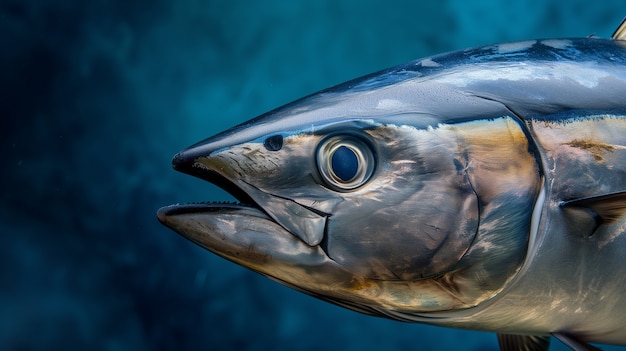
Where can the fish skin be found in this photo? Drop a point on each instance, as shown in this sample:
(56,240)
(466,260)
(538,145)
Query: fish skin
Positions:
(461,222)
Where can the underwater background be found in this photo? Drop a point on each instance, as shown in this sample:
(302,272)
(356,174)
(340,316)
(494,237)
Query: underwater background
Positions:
(97,96)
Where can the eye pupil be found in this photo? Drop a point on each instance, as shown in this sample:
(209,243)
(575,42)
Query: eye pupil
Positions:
(345,163)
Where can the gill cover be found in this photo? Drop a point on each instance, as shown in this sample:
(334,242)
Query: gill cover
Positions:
(390,173)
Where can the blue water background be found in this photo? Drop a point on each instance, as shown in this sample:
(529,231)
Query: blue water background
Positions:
(95,98)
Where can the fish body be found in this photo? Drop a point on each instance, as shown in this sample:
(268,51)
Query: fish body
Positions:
(480,189)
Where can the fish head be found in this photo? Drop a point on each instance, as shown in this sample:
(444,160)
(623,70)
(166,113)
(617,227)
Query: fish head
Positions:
(368,208)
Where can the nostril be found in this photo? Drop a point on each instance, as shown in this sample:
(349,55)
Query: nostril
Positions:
(274,143)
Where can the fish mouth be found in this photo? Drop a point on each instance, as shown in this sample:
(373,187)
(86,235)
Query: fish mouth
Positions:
(228,229)
(185,162)
(173,215)
(244,233)
(181,162)
(303,222)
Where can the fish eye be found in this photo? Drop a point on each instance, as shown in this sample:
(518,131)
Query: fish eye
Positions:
(345,162)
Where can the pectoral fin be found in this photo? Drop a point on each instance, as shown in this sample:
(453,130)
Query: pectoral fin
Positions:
(510,342)
(574,344)
(607,208)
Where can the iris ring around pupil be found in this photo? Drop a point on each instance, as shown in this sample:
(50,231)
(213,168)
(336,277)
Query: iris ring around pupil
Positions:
(344,163)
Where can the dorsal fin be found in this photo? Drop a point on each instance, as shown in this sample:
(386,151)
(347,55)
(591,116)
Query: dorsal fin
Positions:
(620,32)
(510,342)
(608,207)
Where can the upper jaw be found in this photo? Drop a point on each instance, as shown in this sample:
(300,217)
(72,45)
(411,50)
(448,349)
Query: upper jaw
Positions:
(186,162)
(303,222)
